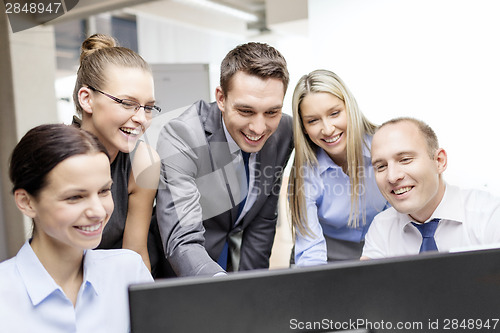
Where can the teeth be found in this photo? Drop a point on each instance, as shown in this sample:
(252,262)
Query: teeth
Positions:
(90,228)
(402,190)
(253,138)
(335,138)
(131,131)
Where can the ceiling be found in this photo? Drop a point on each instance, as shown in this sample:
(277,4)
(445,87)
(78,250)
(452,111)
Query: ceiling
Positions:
(245,17)
(251,6)
(192,12)
(86,8)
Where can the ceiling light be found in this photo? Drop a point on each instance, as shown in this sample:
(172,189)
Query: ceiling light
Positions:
(222,9)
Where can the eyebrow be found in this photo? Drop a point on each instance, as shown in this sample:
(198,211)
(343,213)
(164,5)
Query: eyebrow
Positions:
(82,190)
(308,116)
(74,190)
(133,98)
(405,153)
(109,183)
(397,155)
(246,106)
(333,108)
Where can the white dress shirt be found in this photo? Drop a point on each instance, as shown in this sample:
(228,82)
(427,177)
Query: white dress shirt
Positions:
(31,301)
(470,219)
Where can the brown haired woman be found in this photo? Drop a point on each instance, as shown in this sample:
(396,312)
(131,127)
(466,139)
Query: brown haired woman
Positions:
(56,282)
(114,95)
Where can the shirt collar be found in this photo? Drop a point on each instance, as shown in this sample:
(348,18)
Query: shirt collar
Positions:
(450,208)
(233,146)
(92,277)
(39,284)
(324,161)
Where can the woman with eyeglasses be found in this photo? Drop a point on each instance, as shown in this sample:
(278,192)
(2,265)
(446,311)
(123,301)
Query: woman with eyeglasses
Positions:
(114,96)
(57,283)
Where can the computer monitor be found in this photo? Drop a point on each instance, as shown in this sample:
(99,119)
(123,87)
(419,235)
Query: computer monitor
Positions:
(426,293)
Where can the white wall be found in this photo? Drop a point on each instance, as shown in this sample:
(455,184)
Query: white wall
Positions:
(437,60)
(165,42)
(168,41)
(432,59)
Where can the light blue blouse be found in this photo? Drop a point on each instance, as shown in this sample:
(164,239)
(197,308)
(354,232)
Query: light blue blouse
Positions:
(31,301)
(328,202)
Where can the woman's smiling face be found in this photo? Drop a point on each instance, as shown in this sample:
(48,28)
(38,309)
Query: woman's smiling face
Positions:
(325,122)
(117,128)
(76,203)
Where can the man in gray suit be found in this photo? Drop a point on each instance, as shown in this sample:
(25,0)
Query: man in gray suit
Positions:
(222,165)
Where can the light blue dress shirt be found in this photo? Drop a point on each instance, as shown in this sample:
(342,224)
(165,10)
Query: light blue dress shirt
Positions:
(31,301)
(252,190)
(328,202)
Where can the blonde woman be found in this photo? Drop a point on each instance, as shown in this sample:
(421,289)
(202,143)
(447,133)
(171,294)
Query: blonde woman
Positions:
(114,96)
(332,190)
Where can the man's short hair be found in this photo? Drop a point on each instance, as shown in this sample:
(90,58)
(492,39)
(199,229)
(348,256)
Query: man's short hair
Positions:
(253,58)
(428,133)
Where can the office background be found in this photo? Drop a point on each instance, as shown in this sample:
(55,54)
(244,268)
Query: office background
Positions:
(437,60)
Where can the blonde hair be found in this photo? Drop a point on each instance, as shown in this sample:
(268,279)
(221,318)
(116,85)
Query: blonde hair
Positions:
(323,81)
(97,52)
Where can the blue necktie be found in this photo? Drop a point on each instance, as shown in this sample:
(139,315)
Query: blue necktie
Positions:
(223,257)
(427,230)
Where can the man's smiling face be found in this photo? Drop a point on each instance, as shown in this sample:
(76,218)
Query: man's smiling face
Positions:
(406,174)
(251,109)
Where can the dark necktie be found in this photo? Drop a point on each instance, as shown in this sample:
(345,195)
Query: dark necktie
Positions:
(427,230)
(223,257)
(246,157)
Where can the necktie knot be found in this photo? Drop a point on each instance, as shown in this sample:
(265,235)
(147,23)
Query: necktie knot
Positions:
(246,157)
(428,230)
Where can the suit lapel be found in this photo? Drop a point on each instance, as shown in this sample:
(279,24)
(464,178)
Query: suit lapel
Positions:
(219,149)
(265,168)
(212,122)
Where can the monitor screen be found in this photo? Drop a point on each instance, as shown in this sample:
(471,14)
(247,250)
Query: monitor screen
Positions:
(430,292)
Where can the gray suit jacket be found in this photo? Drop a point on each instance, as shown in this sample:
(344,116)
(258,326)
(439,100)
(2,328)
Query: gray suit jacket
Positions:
(197,203)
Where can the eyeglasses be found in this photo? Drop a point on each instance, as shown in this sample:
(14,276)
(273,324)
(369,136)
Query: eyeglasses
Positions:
(132,106)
